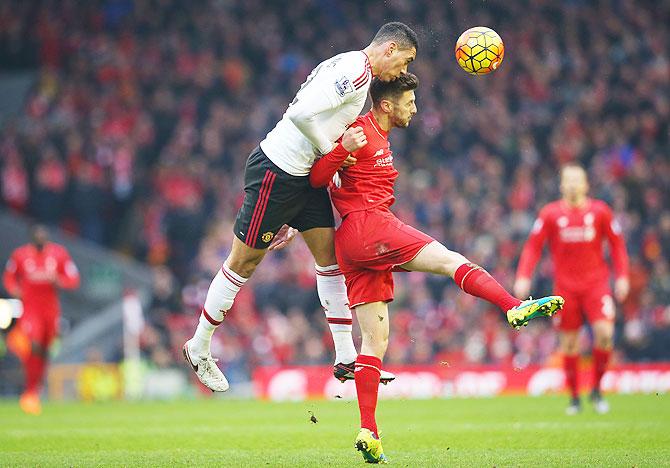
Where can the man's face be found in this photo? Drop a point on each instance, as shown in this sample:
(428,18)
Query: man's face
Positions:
(395,62)
(574,183)
(403,110)
(40,236)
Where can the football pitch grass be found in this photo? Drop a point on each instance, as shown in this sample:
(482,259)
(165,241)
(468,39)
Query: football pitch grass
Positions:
(505,431)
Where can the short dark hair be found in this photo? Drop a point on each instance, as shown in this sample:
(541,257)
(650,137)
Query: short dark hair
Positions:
(392,89)
(402,34)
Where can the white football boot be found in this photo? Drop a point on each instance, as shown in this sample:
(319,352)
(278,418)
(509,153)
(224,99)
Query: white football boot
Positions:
(206,370)
(600,405)
(574,408)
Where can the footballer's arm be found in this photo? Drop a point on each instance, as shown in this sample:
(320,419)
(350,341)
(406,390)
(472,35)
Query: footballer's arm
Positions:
(10,277)
(322,94)
(531,254)
(325,167)
(303,112)
(618,253)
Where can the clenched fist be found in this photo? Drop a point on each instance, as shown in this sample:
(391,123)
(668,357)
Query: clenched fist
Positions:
(354,139)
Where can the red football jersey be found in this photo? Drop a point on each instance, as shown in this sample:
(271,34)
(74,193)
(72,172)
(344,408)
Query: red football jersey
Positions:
(31,271)
(368,183)
(575,237)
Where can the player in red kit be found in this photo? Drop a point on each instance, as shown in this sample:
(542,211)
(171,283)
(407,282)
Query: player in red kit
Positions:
(371,243)
(575,228)
(33,274)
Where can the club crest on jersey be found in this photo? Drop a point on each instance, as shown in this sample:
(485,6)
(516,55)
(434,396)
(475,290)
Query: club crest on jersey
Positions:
(344,86)
(267,237)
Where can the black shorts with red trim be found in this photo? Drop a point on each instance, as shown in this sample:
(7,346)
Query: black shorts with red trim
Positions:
(273,198)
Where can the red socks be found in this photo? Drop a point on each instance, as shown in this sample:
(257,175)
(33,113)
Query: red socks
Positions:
(570,368)
(34,369)
(601,358)
(368,370)
(476,281)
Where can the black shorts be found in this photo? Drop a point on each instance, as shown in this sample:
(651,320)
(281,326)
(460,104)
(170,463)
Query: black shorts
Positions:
(273,198)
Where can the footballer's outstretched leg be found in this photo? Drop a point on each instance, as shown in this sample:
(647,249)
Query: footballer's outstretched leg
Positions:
(476,281)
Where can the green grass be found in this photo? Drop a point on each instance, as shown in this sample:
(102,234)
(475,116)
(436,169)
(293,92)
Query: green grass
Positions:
(507,431)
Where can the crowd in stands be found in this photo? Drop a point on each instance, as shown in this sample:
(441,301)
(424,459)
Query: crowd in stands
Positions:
(142,114)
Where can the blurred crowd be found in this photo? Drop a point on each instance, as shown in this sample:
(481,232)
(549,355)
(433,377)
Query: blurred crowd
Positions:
(137,128)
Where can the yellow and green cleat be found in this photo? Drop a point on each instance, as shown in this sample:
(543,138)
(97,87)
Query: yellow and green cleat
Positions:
(370,446)
(533,308)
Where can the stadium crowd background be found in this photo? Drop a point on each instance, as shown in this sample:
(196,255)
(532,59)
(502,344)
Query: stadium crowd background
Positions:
(136,133)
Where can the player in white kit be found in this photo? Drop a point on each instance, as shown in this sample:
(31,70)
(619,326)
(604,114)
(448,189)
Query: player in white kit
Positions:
(278,193)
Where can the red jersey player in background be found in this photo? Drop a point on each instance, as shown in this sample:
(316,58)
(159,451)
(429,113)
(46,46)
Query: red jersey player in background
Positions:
(371,243)
(575,228)
(33,274)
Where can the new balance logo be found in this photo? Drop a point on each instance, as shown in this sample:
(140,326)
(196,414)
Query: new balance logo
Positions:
(383,162)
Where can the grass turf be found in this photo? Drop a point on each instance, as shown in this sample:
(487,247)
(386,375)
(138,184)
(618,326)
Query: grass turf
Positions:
(505,431)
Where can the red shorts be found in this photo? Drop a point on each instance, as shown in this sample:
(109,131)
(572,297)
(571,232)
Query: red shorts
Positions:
(369,246)
(594,303)
(40,330)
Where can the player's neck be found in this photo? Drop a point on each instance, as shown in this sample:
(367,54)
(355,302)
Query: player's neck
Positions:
(577,202)
(374,54)
(382,120)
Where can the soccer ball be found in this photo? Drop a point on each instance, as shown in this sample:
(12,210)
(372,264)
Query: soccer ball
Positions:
(479,50)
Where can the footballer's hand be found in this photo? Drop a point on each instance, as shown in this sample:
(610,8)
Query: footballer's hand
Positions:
(353,139)
(283,237)
(621,289)
(522,287)
(350,161)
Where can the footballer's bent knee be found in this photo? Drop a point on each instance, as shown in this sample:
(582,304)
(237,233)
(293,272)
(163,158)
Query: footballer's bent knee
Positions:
(244,262)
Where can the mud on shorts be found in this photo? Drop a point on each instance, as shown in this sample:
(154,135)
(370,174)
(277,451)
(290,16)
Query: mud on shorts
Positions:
(370,245)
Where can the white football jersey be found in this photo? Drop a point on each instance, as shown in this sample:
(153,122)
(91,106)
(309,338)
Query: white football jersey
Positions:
(329,100)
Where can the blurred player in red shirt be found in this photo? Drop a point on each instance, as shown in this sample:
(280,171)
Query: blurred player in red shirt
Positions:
(575,228)
(33,274)
(371,243)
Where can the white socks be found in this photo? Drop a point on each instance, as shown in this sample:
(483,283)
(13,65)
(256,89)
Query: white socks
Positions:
(333,296)
(220,297)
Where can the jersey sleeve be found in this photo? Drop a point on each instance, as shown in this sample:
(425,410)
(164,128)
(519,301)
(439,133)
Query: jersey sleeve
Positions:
(324,168)
(68,273)
(532,250)
(10,277)
(617,244)
(328,87)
